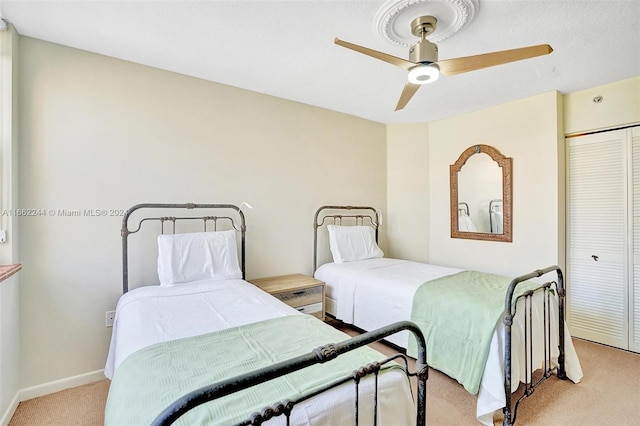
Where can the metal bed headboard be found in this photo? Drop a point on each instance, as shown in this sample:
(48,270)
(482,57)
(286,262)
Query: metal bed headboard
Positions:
(463,207)
(125,231)
(494,206)
(320,220)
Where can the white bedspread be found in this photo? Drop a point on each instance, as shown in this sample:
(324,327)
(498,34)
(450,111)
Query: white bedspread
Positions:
(374,292)
(153,314)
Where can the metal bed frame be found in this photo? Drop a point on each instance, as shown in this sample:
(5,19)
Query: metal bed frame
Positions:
(494,206)
(550,287)
(319,355)
(125,231)
(373,220)
(463,208)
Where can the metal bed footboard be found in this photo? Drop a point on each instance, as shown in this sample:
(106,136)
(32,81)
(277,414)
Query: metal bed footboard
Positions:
(463,208)
(510,410)
(125,231)
(317,356)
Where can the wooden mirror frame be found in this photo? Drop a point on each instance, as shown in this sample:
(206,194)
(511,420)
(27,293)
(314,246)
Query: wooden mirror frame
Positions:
(505,164)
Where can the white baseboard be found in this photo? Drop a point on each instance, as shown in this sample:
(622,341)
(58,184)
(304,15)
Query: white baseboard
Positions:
(6,417)
(62,384)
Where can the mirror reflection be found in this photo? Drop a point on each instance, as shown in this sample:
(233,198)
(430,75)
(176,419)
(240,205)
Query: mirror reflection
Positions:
(481,195)
(479,186)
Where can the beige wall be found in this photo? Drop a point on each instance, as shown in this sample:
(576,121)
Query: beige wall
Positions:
(531,131)
(100,133)
(526,130)
(620,106)
(407,220)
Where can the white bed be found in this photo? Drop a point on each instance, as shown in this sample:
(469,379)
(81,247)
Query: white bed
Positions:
(181,308)
(373,292)
(365,289)
(153,314)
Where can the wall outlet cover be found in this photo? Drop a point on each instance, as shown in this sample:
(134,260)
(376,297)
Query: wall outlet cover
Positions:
(109,316)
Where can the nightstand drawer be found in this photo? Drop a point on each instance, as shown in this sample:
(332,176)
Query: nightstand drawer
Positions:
(302,297)
(299,291)
(313,309)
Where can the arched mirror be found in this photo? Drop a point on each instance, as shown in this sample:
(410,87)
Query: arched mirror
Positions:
(481,195)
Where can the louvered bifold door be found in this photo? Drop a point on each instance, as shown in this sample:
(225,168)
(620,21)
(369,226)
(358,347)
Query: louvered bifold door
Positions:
(634,296)
(597,278)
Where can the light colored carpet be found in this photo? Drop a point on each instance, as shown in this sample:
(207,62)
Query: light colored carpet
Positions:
(609,394)
(79,406)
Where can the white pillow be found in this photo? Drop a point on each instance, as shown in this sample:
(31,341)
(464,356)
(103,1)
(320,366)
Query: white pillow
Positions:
(349,243)
(196,256)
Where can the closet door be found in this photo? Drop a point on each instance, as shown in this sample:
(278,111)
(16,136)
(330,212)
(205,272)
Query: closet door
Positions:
(597,276)
(634,287)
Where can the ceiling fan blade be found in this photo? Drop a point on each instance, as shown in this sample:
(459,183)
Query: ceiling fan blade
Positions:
(472,63)
(393,60)
(409,90)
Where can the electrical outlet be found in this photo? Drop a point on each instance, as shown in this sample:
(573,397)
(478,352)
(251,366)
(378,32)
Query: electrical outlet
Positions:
(109,316)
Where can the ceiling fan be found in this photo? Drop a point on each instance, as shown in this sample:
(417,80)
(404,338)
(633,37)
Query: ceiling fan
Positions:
(423,65)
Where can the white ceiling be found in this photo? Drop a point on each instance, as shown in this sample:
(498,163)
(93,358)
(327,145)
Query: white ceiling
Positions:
(286,49)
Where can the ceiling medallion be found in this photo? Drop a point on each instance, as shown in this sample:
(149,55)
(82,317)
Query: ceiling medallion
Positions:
(393,19)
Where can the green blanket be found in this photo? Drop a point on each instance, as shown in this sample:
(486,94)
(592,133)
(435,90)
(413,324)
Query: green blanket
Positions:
(151,379)
(458,314)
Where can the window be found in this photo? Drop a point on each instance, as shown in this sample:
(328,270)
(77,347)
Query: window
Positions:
(8,139)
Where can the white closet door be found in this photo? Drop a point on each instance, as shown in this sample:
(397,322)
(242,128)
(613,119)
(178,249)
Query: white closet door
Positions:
(634,297)
(597,289)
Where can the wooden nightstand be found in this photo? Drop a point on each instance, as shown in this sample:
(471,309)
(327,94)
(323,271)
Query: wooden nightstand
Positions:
(302,292)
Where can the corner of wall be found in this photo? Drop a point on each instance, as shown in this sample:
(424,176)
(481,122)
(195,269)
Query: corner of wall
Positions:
(408,191)
(11,409)
(562,231)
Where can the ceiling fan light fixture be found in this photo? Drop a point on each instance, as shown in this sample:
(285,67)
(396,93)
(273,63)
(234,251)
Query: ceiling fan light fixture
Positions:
(424,74)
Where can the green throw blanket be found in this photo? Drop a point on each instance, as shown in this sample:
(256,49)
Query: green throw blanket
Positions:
(458,314)
(151,379)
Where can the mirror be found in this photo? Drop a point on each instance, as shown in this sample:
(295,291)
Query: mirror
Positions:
(481,195)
